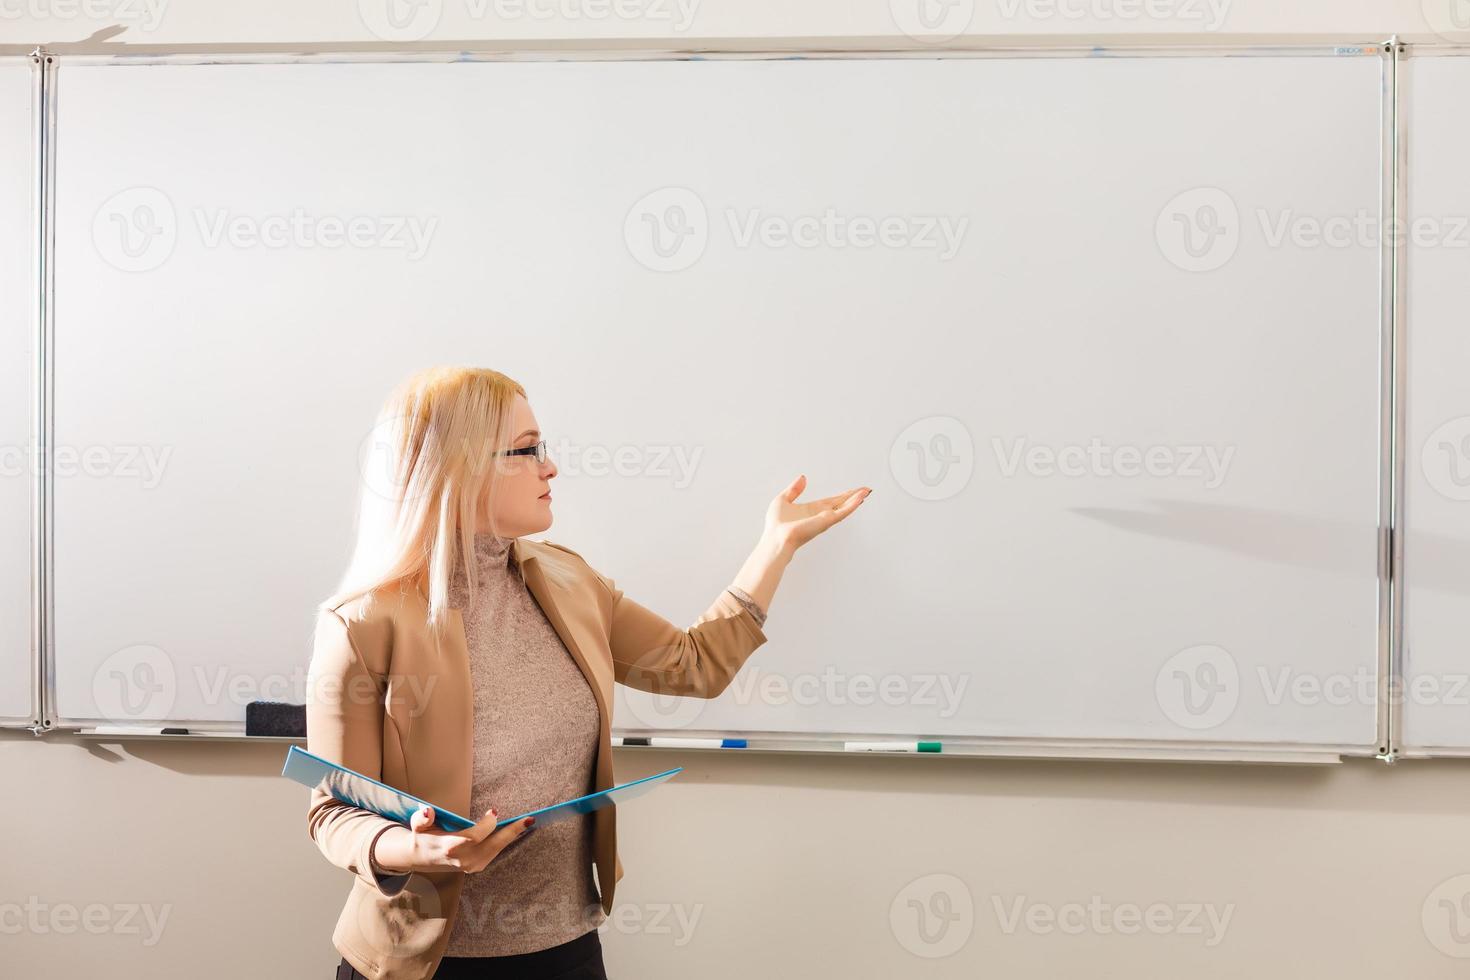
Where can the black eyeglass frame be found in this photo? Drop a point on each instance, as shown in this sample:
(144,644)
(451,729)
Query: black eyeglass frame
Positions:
(538,450)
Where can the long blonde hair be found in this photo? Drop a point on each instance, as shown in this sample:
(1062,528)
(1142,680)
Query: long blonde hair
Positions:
(426,470)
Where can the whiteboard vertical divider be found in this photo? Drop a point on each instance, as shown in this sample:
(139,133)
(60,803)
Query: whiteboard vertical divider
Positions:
(1394,248)
(43,200)
(1403,89)
(1390,51)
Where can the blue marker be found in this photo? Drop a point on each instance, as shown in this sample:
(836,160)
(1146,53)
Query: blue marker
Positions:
(683,743)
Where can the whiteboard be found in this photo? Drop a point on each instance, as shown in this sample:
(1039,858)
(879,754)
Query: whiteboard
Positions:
(17,664)
(1435,696)
(1126,480)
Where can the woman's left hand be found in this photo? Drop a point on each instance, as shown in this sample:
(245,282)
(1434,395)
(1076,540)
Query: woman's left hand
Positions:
(794,524)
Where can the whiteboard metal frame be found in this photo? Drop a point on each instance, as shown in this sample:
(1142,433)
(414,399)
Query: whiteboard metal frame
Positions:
(1391,494)
(1398,748)
(41,140)
(1389,53)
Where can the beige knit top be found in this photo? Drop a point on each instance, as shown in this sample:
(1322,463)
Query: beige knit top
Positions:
(535,743)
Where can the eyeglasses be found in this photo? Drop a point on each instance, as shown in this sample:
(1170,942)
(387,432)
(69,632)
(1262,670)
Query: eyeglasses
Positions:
(538,450)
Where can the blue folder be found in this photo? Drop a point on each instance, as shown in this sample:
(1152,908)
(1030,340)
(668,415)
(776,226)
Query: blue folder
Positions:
(353,787)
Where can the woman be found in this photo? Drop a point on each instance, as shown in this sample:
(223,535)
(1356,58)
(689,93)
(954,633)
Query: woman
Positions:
(473,668)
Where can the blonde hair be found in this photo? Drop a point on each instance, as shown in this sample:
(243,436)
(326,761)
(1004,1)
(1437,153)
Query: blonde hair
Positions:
(425,473)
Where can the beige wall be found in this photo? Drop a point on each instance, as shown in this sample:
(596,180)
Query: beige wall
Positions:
(780,866)
(786,865)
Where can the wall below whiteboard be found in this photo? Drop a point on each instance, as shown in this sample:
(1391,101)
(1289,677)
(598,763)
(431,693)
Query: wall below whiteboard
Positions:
(1322,871)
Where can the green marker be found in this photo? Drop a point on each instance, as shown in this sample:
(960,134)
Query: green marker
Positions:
(893,746)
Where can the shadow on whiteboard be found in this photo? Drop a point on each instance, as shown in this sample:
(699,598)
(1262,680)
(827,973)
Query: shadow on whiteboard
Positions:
(1287,539)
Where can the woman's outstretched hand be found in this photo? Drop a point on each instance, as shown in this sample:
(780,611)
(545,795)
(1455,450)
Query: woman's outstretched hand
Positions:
(793,524)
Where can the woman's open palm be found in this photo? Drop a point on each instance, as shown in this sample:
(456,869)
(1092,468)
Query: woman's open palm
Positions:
(797,523)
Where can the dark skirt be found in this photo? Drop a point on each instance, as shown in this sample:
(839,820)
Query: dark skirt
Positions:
(579,959)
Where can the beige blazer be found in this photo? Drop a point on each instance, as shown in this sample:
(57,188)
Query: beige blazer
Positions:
(382,700)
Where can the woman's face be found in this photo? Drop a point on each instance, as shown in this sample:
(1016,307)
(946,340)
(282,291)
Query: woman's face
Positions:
(523,504)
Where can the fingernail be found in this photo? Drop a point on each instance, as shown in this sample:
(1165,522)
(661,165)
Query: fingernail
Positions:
(530,822)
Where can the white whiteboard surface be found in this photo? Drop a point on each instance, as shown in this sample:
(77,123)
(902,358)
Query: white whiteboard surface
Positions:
(1436,683)
(1193,605)
(17,676)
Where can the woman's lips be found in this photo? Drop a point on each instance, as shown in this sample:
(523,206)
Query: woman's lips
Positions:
(546,495)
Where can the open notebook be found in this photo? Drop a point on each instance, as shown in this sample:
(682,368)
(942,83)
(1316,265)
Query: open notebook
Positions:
(353,787)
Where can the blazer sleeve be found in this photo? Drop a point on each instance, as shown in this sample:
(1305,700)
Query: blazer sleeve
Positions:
(652,654)
(344,724)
